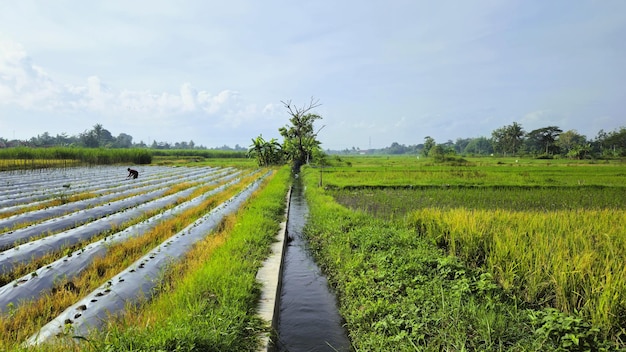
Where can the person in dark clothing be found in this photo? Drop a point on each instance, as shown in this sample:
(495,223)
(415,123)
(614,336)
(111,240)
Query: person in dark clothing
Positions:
(132,173)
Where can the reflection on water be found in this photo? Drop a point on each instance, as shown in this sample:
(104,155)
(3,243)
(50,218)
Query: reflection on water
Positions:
(308,318)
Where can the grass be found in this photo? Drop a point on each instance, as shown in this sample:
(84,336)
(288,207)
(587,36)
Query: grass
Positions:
(410,172)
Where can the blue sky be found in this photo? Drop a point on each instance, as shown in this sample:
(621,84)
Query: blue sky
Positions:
(384,71)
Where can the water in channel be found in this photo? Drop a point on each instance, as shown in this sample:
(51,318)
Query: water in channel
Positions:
(308,318)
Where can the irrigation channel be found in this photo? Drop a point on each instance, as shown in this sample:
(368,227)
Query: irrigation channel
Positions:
(29,234)
(308,319)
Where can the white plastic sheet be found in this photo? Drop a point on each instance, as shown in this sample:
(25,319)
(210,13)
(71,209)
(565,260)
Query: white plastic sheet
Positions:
(139,279)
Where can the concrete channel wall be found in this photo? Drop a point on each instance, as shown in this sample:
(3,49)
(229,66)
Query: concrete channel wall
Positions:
(270,276)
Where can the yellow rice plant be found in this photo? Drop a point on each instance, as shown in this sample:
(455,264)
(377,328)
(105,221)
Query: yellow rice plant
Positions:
(568,259)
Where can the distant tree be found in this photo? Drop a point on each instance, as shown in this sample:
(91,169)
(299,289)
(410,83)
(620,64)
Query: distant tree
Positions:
(612,144)
(123,140)
(479,146)
(89,139)
(542,140)
(571,140)
(106,138)
(429,143)
(461,144)
(43,140)
(63,139)
(300,137)
(438,152)
(396,148)
(97,137)
(508,139)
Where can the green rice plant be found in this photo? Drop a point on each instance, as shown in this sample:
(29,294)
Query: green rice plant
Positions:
(388,202)
(411,172)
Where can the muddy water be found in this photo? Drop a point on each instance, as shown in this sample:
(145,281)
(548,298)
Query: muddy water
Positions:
(308,318)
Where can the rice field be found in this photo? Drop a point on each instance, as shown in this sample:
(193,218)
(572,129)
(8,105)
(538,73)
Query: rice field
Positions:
(551,234)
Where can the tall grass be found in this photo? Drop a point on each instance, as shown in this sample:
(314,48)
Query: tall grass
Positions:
(26,157)
(200,153)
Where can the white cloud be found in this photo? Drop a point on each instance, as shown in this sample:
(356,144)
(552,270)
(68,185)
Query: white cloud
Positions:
(188,97)
(191,65)
(21,82)
(400,122)
(28,86)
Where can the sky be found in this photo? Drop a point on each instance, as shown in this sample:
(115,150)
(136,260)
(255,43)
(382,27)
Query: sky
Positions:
(219,73)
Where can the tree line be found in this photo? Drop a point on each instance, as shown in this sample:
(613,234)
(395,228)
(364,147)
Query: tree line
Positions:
(100,137)
(513,140)
(300,144)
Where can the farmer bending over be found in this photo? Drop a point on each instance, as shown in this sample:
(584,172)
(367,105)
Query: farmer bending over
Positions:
(132,173)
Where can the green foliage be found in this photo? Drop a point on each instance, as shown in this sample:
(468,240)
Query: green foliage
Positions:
(508,139)
(429,143)
(613,143)
(543,140)
(567,332)
(267,153)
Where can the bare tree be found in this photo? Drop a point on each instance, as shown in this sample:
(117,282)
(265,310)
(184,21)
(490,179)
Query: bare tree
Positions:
(300,137)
